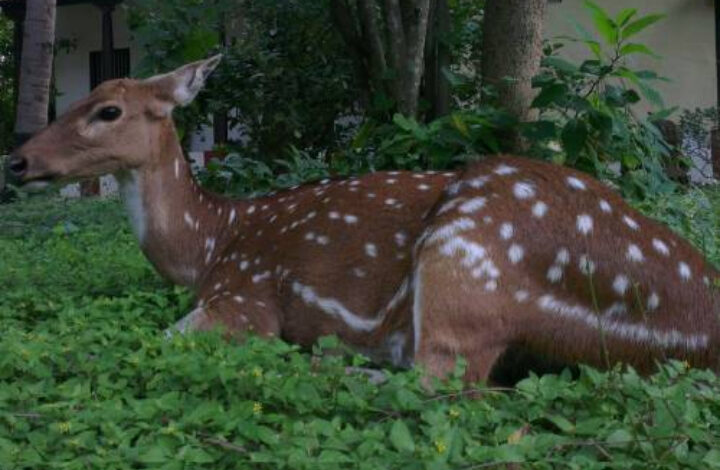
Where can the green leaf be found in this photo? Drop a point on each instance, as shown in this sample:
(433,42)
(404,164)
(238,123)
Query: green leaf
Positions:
(401,438)
(552,94)
(620,438)
(603,23)
(634,48)
(637,26)
(154,454)
(574,136)
(712,458)
(624,16)
(562,423)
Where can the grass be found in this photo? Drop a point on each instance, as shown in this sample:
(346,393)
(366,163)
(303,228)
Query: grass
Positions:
(88,381)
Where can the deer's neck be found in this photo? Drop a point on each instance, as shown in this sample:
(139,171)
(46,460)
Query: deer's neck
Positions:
(180,227)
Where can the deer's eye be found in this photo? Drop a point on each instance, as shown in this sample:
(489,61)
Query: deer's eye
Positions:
(109,113)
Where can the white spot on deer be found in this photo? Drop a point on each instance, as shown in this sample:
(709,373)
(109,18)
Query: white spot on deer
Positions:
(630,222)
(217,286)
(653,301)
(418,176)
(310,236)
(451,229)
(474,252)
(621,284)
(239,299)
(562,257)
(188,219)
(523,190)
(584,224)
(390,201)
(486,268)
(660,247)
(177,169)
(263,276)
(539,209)
(334,308)
(684,271)
(371,250)
(354,183)
(521,296)
(231,217)
(350,219)
(491,285)
(400,238)
(472,205)
(311,215)
(478,182)
(334,215)
(586,265)
(605,206)
(506,231)
(576,183)
(423,187)
(244,265)
(555,273)
(450,205)
(633,332)
(250,210)
(634,253)
(359,272)
(516,253)
(391,181)
(322,240)
(371,195)
(504,170)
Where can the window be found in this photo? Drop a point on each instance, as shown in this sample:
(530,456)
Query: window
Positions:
(120,66)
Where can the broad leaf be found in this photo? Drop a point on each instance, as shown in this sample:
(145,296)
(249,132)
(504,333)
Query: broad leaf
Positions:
(637,26)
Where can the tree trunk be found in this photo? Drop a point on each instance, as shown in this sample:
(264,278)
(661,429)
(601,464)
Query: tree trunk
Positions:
(512,49)
(387,45)
(36,68)
(436,89)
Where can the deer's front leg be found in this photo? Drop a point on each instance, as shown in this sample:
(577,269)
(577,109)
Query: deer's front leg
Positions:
(234,315)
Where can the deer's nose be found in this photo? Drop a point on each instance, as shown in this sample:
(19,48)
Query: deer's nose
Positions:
(18,166)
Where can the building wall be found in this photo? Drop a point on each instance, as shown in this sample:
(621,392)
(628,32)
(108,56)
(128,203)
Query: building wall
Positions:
(685,39)
(82,25)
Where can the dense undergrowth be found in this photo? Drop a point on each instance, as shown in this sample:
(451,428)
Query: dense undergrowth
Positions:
(87,380)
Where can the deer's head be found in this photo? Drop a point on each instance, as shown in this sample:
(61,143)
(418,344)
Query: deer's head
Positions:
(117,127)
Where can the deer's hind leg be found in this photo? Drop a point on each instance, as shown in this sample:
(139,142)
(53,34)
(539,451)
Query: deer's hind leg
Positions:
(450,320)
(234,315)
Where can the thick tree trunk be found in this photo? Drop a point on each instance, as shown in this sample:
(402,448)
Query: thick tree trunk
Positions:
(512,49)
(436,89)
(36,67)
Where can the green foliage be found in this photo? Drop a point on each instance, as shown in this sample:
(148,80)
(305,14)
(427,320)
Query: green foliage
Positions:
(284,72)
(587,107)
(88,380)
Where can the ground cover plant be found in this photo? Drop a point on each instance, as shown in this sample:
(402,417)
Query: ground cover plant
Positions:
(87,379)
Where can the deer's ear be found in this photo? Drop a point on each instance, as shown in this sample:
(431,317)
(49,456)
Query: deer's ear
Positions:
(182,85)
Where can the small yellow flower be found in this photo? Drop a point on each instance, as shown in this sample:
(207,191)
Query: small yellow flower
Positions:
(257,408)
(64,427)
(257,372)
(454,414)
(686,364)
(440,446)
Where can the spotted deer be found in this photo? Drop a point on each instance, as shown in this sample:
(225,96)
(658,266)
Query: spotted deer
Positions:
(521,253)
(410,267)
(331,257)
